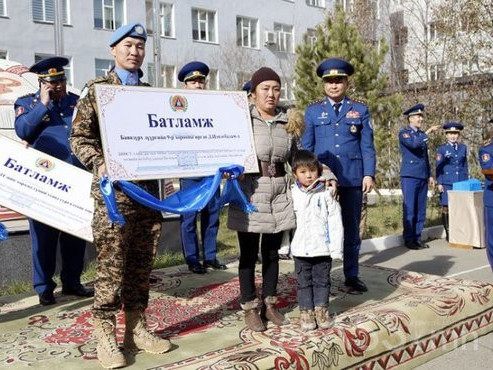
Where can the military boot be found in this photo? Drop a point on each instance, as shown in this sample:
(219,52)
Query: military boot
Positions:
(109,355)
(270,312)
(252,316)
(445,223)
(137,337)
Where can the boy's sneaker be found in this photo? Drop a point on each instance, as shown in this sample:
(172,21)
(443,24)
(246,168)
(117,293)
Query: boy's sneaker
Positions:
(323,318)
(307,319)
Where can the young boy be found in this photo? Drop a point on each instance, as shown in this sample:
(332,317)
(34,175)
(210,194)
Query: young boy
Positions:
(451,166)
(318,238)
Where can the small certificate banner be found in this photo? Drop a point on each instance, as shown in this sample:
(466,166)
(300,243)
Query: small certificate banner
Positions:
(46,189)
(150,133)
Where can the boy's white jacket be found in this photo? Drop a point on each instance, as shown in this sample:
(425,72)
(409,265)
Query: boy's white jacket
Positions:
(319,230)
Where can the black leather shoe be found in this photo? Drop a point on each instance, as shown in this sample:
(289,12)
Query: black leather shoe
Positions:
(215,264)
(197,268)
(356,284)
(46,298)
(422,245)
(78,291)
(412,245)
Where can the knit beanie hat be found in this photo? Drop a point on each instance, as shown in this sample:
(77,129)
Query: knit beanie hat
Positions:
(264,74)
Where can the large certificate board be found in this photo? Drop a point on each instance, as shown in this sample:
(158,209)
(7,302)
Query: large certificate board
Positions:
(151,133)
(46,189)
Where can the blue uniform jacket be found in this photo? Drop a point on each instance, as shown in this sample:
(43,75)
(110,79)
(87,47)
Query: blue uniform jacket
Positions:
(414,150)
(451,164)
(47,128)
(486,163)
(343,142)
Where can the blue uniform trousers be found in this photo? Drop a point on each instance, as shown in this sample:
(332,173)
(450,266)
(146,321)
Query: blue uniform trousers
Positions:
(414,198)
(351,200)
(444,195)
(44,245)
(209,225)
(488,228)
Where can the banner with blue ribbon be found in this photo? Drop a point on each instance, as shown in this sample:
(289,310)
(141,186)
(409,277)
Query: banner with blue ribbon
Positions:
(192,199)
(3,232)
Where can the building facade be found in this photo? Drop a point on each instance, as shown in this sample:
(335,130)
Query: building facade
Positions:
(234,37)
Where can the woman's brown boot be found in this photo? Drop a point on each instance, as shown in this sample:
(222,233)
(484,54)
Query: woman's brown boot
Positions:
(252,317)
(270,312)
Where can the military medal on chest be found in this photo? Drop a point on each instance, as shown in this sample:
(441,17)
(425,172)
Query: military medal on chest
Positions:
(353,129)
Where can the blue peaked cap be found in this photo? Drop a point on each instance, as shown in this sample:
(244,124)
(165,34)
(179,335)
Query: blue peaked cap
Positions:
(247,86)
(417,109)
(453,127)
(128,30)
(192,71)
(335,67)
(50,69)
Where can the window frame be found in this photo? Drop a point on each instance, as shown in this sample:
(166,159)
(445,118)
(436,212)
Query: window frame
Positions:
(206,23)
(66,7)
(4,7)
(162,17)
(316,3)
(110,63)
(116,23)
(282,45)
(241,28)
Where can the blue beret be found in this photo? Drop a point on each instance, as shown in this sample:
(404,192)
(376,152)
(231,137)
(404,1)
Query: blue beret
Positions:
(247,86)
(417,109)
(453,127)
(50,69)
(335,67)
(192,71)
(128,30)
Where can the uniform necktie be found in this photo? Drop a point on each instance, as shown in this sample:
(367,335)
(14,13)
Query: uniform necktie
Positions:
(337,106)
(132,80)
(455,146)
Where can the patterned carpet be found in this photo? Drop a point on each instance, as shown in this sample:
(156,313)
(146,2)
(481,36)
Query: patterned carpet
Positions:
(404,320)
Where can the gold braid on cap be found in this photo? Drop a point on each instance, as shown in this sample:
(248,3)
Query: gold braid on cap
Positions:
(51,74)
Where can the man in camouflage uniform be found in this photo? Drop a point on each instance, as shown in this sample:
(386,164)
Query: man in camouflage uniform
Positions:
(124,253)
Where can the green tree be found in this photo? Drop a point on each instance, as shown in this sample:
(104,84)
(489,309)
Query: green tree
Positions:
(339,37)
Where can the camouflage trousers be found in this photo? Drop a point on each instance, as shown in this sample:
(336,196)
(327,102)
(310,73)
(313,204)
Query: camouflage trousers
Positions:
(124,259)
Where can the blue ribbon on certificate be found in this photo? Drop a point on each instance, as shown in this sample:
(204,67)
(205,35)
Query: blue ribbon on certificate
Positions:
(192,199)
(3,232)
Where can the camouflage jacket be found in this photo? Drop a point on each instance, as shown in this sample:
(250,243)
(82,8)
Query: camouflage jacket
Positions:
(85,139)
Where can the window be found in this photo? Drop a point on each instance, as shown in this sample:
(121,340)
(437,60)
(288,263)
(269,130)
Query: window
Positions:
(168,74)
(311,36)
(247,32)
(284,37)
(432,31)
(213,80)
(400,37)
(67,68)
(44,11)
(3,8)
(166,19)
(242,78)
(3,54)
(109,14)
(436,72)
(347,5)
(319,3)
(102,66)
(287,92)
(204,25)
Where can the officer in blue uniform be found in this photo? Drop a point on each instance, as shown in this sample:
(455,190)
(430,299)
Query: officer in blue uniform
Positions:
(339,131)
(486,163)
(451,166)
(415,176)
(44,121)
(193,76)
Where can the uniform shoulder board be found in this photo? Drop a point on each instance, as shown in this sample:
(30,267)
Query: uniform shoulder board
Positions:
(358,101)
(316,102)
(97,80)
(26,96)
